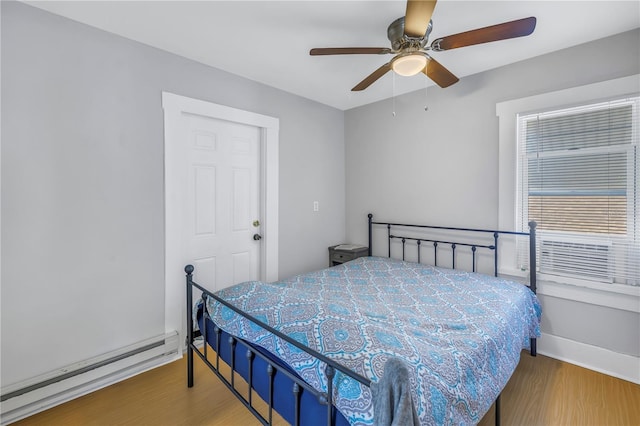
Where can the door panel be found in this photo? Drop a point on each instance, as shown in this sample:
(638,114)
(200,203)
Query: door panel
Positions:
(204,198)
(242,267)
(242,214)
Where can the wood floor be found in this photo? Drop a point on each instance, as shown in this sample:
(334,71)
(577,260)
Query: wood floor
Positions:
(542,391)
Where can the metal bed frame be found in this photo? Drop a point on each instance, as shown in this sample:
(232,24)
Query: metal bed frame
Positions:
(299,385)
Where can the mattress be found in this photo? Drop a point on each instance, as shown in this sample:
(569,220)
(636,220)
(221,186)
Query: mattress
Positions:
(460,334)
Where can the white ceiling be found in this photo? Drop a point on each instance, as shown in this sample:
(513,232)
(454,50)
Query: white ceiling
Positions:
(269,41)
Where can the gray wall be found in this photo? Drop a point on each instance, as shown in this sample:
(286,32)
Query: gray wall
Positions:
(82,185)
(441,166)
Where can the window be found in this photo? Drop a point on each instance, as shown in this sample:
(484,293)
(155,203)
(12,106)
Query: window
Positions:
(578,177)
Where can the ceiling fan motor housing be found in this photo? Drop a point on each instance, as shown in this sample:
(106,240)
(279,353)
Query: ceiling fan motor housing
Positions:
(400,42)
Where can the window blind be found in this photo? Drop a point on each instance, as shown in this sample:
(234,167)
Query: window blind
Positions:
(578,171)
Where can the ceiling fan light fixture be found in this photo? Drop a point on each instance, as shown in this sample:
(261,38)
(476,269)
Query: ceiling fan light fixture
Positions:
(409,64)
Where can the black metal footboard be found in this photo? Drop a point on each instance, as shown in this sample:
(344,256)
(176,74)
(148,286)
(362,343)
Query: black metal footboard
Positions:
(253,356)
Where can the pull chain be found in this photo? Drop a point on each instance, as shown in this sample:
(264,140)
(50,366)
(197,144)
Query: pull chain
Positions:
(393,93)
(426,89)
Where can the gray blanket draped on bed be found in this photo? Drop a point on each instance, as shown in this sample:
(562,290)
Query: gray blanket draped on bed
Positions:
(392,401)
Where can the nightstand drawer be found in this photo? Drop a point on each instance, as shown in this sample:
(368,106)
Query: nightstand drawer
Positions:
(337,256)
(342,257)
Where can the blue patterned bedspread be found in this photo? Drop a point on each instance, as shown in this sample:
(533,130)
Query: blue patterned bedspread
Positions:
(459,333)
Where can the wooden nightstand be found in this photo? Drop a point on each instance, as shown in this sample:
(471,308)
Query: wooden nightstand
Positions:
(346,252)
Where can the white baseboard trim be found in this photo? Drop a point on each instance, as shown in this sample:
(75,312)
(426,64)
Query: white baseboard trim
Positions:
(605,361)
(163,349)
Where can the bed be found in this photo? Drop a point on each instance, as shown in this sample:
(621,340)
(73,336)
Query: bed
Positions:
(327,347)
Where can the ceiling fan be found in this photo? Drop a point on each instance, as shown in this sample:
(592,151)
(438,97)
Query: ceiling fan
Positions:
(409,36)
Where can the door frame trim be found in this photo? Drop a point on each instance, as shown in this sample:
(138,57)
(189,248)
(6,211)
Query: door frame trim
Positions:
(174,107)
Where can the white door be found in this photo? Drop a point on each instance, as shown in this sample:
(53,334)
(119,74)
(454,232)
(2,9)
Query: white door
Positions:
(222,212)
(221,174)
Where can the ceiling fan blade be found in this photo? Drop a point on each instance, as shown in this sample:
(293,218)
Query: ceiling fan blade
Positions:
(439,74)
(372,77)
(417,17)
(349,51)
(506,30)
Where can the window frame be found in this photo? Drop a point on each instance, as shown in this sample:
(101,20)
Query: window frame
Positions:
(613,295)
(607,267)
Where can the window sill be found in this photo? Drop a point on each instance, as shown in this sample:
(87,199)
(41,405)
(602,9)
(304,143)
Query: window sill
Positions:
(616,296)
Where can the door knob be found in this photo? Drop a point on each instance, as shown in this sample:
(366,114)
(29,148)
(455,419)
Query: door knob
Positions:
(257,237)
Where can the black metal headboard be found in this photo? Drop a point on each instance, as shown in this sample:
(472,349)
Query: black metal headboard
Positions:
(392,228)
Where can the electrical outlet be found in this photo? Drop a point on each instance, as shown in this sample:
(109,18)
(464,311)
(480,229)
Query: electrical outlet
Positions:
(316,206)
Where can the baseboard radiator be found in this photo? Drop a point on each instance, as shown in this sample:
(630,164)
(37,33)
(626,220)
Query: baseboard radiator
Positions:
(31,396)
